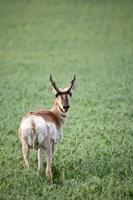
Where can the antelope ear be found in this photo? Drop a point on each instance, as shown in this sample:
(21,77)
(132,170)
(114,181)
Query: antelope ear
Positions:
(54,91)
(74,86)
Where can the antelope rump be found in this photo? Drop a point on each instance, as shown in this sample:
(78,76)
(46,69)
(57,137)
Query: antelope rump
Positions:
(42,129)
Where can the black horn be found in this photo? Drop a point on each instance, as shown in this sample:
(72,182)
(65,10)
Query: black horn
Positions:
(72,83)
(54,84)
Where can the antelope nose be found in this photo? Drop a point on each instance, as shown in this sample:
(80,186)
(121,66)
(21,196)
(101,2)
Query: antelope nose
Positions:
(66,107)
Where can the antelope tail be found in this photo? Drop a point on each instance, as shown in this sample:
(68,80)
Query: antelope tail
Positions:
(34,136)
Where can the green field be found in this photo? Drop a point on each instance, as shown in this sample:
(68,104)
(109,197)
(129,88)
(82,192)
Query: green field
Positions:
(93,39)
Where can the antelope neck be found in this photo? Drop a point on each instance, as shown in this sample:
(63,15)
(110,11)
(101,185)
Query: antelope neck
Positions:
(59,111)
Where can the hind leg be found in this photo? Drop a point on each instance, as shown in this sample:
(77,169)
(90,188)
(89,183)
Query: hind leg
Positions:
(40,161)
(49,162)
(25,150)
(48,150)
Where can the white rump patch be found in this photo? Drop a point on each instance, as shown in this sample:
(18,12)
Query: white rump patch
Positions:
(41,131)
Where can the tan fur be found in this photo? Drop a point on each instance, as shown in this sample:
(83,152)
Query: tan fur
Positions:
(48,116)
(56,116)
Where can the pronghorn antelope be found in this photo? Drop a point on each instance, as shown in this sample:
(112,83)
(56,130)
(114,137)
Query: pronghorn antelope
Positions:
(42,128)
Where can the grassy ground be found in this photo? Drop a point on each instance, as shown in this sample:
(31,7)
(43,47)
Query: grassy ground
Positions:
(93,39)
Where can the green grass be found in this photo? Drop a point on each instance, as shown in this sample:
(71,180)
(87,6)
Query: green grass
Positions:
(93,39)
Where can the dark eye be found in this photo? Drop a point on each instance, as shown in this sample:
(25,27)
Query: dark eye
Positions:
(56,95)
(70,94)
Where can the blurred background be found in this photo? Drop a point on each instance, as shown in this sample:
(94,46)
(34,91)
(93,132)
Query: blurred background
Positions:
(94,40)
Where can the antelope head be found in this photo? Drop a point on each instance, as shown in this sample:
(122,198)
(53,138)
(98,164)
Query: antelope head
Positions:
(63,94)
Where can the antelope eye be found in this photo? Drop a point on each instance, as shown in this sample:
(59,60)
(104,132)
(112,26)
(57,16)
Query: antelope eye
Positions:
(70,94)
(56,95)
